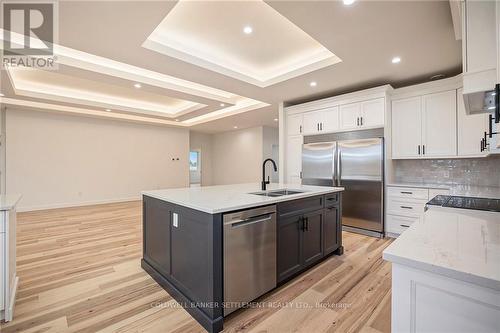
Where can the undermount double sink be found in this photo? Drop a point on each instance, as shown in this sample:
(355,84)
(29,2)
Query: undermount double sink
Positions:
(277,193)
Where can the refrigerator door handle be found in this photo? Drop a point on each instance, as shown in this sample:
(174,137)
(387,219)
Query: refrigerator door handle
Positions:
(339,166)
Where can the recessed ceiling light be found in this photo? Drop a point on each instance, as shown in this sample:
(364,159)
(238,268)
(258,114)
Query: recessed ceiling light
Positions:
(222,104)
(313,84)
(108,110)
(2,95)
(348,2)
(396,60)
(275,119)
(248,30)
(235,127)
(137,85)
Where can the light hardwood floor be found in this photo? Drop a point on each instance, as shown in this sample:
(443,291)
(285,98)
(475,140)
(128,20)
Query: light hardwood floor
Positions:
(79,271)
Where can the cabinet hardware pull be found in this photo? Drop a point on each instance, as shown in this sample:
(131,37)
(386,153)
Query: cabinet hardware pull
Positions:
(300,129)
(406,192)
(419,149)
(317,126)
(423,149)
(406,207)
(307,224)
(361,121)
(357,121)
(404,225)
(330,199)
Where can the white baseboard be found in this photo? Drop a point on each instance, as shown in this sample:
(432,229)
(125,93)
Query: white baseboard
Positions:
(21,209)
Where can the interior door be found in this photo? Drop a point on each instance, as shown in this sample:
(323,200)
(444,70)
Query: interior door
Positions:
(349,115)
(294,159)
(406,127)
(373,113)
(440,124)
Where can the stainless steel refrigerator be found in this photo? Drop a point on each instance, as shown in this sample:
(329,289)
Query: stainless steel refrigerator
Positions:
(354,160)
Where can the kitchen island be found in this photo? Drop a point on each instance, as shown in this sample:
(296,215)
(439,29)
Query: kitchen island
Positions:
(216,248)
(446,272)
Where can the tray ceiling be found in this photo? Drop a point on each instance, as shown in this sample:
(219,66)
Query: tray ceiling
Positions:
(247,40)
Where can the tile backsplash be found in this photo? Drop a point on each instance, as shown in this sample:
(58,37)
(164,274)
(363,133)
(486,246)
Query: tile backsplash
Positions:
(472,171)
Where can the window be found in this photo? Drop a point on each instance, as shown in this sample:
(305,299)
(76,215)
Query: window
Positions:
(194,160)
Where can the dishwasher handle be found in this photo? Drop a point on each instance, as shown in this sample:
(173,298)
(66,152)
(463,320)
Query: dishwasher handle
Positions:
(251,220)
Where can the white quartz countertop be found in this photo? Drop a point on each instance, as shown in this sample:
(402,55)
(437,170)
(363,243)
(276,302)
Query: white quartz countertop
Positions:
(225,198)
(458,243)
(491,192)
(9,201)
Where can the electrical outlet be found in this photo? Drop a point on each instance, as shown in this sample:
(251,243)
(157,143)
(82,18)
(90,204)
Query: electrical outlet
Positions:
(175,220)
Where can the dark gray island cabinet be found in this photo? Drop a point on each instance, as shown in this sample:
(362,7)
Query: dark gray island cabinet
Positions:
(183,247)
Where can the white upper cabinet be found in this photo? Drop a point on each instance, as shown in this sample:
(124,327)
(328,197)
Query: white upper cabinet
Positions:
(471,128)
(331,123)
(367,114)
(407,127)
(480,51)
(294,124)
(479,38)
(322,121)
(294,159)
(425,126)
(373,113)
(439,128)
(349,116)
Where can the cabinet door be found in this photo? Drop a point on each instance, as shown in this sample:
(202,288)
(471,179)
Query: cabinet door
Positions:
(406,127)
(294,158)
(312,243)
(439,129)
(331,119)
(3,262)
(331,229)
(373,113)
(312,121)
(289,244)
(294,124)
(349,115)
(471,128)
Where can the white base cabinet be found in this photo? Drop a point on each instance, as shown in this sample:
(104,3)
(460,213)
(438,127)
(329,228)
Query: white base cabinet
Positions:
(423,301)
(405,206)
(8,277)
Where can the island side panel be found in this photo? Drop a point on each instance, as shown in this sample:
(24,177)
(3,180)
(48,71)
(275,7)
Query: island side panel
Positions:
(191,249)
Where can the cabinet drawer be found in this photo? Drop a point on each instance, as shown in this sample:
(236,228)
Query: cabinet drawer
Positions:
(398,224)
(331,200)
(300,206)
(408,192)
(405,207)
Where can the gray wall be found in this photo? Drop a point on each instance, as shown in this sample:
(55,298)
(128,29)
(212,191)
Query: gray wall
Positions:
(478,172)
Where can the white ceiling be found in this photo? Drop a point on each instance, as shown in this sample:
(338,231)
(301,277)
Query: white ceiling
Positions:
(365,36)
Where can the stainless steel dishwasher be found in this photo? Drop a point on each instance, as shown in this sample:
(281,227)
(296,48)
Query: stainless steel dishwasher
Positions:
(249,255)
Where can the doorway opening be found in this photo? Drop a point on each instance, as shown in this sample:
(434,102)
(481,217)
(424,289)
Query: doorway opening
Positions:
(195,167)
